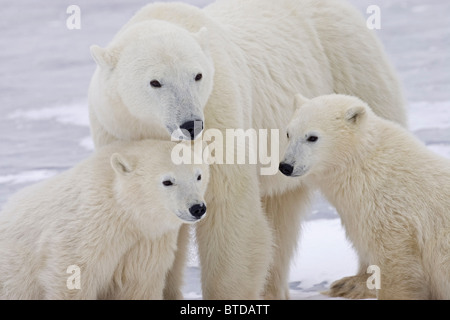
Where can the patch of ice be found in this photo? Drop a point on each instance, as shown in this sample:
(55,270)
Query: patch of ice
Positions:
(441,149)
(75,114)
(193,259)
(425,115)
(28,176)
(191,296)
(324,255)
(419,9)
(87,143)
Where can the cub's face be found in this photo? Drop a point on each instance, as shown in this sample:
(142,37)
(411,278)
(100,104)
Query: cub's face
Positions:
(322,134)
(163,192)
(184,187)
(307,145)
(163,79)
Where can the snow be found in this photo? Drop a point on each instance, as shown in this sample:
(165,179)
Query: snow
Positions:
(44,123)
(27,176)
(73,114)
(442,149)
(429,115)
(87,143)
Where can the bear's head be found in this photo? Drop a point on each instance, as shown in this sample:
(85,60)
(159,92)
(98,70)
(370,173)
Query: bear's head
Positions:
(323,134)
(161,74)
(161,192)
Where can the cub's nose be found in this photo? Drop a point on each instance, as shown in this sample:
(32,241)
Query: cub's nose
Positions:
(193,127)
(286,168)
(198,210)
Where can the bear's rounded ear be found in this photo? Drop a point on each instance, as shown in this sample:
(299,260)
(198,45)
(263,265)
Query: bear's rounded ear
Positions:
(202,38)
(300,100)
(354,114)
(102,57)
(120,164)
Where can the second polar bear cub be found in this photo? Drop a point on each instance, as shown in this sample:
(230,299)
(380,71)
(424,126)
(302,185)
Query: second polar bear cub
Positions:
(391,192)
(112,220)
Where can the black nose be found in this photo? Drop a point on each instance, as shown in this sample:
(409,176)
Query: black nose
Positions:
(286,168)
(192,127)
(198,210)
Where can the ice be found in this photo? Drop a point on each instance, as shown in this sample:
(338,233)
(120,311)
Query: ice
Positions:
(441,149)
(429,115)
(27,176)
(324,255)
(419,9)
(74,114)
(87,143)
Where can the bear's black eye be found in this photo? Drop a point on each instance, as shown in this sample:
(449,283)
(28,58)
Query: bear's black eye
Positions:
(167,183)
(198,77)
(287,135)
(312,139)
(199,177)
(155,84)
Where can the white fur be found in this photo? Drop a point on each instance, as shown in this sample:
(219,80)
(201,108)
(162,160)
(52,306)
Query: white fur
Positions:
(179,99)
(392,193)
(110,216)
(254,55)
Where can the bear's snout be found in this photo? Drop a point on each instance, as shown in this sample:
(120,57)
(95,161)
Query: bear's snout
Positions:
(286,168)
(193,128)
(198,210)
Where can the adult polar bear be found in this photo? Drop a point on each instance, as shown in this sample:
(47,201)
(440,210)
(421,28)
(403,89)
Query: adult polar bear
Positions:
(238,64)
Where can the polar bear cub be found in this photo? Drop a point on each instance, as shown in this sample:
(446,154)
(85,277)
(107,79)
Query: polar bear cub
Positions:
(392,193)
(105,229)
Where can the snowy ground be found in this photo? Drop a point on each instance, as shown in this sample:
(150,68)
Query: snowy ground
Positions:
(44,130)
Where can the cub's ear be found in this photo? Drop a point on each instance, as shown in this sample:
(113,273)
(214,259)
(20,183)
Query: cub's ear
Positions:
(120,164)
(354,115)
(103,57)
(300,100)
(202,38)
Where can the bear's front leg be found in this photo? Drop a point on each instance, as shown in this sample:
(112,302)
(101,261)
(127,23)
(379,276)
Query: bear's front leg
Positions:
(285,213)
(141,272)
(174,279)
(234,239)
(403,277)
(354,287)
